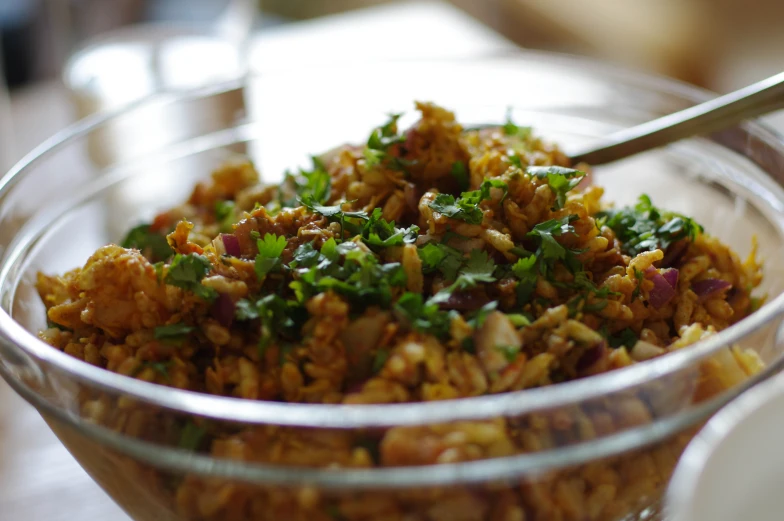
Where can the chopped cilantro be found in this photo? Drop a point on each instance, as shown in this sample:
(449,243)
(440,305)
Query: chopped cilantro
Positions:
(152,245)
(383,137)
(466,207)
(431,256)
(509,352)
(460,173)
(361,278)
(441,257)
(162,368)
(379,360)
(625,337)
(643,227)
(461,209)
(379,233)
(270,249)
(191,436)
(314,184)
(277,317)
(513,130)
(158,267)
(186,272)
(174,333)
(639,276)
(561,180)
(525,270)
(519,319)
(478,269)
(349,220)
(306,255)
(225,215)
(424,316)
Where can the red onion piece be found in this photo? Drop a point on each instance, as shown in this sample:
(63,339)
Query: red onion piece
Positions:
(708,288)
(662,291)
(671,276)
(464,301)
(591,356)
(232,244)
(223,310)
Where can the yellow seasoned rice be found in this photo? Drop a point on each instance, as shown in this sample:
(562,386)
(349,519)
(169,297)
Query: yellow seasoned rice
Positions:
(432,264)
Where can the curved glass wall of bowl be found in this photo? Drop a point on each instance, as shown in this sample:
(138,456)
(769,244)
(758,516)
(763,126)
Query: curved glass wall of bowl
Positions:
(72,215)
(133,63)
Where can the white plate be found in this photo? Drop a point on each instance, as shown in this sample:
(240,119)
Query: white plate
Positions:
(734,469)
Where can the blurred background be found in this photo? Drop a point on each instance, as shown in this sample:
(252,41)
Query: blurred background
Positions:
(102,53)
(65,59)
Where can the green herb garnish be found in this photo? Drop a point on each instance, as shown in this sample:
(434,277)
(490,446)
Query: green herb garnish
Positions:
(191,436)
(225,215)
(186,272)
(643,227)
(460,173)
(270,249)
(561,180)
(152,245)
(174,333)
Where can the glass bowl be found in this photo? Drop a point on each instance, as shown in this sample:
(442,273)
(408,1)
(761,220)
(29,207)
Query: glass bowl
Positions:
(598,448)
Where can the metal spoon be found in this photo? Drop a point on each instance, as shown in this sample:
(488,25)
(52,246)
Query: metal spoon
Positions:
(717,114)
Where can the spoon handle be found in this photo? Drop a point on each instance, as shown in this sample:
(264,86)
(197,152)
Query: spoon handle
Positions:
(717,114)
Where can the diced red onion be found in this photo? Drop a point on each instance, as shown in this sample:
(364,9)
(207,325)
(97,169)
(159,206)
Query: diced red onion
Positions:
(708,288)
(223,310)
(591,356)
(671,276)
(232,244)
(465,301)
(662,291)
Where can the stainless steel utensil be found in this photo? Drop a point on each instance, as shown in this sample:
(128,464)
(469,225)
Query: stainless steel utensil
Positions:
(749,102)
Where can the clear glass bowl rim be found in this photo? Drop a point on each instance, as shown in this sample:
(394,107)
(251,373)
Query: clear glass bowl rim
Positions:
(16,338)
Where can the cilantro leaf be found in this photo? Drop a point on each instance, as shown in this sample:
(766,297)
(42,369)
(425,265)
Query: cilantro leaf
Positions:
(423,316)
(561,180)
(431,256)
(379,233)
(174,333)
(460,173)
(191,436)
(625,337)
(509,352)
(270,249)
(186,272)
(549,248)
(643,227)
(349,220)
(513,130)
(277,317)
(152,245)
(379,360)
(225,215)
(487,184)
(380,140)
(315,184)
(525,270)
(466,207)
(479,268)
(461,209)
